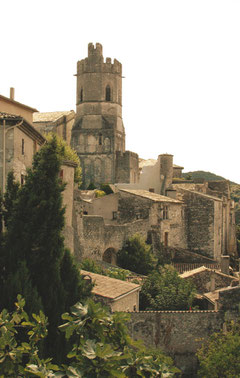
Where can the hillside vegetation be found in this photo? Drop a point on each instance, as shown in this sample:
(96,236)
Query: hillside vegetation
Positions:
(208,176)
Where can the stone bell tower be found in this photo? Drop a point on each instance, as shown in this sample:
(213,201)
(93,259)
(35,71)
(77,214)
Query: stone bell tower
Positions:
(98,133)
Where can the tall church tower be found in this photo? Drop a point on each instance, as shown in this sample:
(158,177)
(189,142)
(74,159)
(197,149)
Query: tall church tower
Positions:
(98,133)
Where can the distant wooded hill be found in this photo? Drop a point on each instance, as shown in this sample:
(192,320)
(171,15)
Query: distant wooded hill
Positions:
(208,176)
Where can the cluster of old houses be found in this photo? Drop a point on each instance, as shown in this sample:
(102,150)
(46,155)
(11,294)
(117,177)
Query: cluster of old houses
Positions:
(193,218)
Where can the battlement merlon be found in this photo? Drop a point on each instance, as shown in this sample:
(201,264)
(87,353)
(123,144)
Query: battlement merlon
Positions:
(94,50)
(95,62)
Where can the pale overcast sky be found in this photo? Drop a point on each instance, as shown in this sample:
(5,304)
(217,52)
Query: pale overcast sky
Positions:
(181,62)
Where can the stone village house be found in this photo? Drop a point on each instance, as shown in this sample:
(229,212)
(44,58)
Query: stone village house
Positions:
(194,216)
(19,140)
(197,217)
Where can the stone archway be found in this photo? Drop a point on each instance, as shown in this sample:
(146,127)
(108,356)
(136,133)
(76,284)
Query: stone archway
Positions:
(110,256)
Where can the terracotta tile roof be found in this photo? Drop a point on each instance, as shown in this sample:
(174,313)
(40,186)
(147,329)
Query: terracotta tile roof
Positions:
(146,163)
(8,116)
(110,287)
(212,296)
(201,269)
(180,186)
(50,116)
(149,195)
(177,166)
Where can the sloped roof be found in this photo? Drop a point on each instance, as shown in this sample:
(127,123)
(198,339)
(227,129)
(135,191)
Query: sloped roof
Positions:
(177,166)
(27,128)
(146,163)
(201,269)
(149,195)
(9,100)
(50,116)
(110,287)
(207,196)
(11,117)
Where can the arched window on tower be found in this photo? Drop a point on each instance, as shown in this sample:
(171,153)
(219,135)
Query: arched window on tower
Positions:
(108,93)
(81,95)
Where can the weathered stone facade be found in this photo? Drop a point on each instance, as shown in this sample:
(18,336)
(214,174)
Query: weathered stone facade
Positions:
(59,123)
(178,333)
(209,215)
(98,134)
(181,333)
(18,143)
(206,279)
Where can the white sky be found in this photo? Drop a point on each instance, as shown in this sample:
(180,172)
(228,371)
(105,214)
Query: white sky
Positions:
(181,62)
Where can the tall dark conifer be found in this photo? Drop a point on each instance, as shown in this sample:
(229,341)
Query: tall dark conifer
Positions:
(10,197)
(34,236)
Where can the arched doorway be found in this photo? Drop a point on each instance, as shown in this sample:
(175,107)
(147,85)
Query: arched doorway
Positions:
(110,256)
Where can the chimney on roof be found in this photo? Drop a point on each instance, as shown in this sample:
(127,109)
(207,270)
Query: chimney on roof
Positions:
(12,90)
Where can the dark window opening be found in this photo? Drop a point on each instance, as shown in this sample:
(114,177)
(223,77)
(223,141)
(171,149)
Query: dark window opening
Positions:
(165,212)
(108,93)
(166,239)
(85,213)
(22,146)
(22,180)
(151,190)
(81,95)
(100,139)
(114,215)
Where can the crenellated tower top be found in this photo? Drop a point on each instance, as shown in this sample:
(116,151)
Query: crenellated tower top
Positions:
(95,62)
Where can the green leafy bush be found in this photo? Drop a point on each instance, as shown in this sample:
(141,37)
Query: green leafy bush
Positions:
(166,290)
(136,256)
(100,346)
(219,357)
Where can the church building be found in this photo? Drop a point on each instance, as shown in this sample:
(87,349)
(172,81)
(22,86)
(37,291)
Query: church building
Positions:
(98,134)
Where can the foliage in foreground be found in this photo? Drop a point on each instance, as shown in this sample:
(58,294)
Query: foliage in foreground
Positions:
(101,346)
(165,290)
(220,356)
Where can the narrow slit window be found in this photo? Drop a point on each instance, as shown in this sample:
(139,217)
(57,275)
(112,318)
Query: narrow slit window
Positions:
(108,93)
(100,139)
(22,146)
(81,95)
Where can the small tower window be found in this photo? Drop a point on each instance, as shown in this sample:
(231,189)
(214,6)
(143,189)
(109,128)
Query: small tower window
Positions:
(100,139)
(81,95)
(22,146)
(108,93)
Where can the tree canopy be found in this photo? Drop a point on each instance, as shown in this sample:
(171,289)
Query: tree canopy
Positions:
(65,152)
(165,290)
(35,261)
(136,256)
(219,357)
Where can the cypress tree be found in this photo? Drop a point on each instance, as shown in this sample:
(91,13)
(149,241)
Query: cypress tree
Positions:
(10,197)
(34,236)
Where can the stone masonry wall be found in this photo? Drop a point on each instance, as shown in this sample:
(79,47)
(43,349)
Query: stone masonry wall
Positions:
(131,207)
(199,216)
(210,280)
(179,333)
(93,236)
